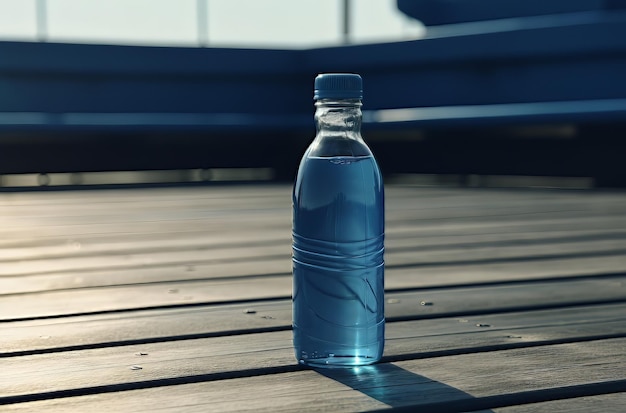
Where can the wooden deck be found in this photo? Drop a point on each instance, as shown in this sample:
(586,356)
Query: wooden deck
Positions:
(178,300)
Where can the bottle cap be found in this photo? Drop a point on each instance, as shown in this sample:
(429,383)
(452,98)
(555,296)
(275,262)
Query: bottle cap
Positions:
(338,86)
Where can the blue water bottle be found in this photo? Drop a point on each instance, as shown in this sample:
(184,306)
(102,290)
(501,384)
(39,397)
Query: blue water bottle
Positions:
(338,236)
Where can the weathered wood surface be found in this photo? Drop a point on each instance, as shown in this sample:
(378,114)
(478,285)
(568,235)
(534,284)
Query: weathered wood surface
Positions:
(611,403)
(107,366)
(178,299)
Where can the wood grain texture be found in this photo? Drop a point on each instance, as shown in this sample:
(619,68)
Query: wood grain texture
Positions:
(405,341)
(606,403)
(177,299)
(442,271)
(276,284)
(247,251)
(163,324)
(435,384)
(96,213)
(69,240)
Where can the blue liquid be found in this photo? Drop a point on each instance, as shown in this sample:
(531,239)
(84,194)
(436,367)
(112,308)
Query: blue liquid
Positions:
(338,267)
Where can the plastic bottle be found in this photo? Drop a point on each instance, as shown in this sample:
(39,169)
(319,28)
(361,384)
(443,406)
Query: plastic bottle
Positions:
(338,236)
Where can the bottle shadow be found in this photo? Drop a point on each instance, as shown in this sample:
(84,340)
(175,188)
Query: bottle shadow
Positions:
(404,390)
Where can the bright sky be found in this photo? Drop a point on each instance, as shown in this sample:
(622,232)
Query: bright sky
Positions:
(239,23)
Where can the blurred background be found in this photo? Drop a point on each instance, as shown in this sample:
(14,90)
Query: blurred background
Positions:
(216,23)
(457,92)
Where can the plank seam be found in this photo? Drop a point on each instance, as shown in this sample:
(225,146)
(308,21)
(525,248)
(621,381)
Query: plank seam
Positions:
(141,341)
(539,280)
(155,307)
(402,357)
(504,310)
(162,282)
(499,347)
(444,263)
(477,284)
(547,257)
(455,406)
(275,298)
(147,384)
(155,250)
(268,257)
(281,241)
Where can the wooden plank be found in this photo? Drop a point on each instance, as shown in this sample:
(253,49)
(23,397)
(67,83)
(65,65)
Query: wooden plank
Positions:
(68,203)
(185,205)
(433,238)
(405,341)
(434,384)
(84,301)
(152,259)
(164,203)
(540,234)
(186,212)
(606,403)
(152,217)
(405,256)
(88,246)
(135,267)
(204,321)
(74,268)
(203,291)
(229,262)
(151,294)
(416,202)
(52,220)
(87,211)
(428,196)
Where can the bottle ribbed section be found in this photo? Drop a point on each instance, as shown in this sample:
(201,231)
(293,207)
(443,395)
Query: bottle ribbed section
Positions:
(339,256)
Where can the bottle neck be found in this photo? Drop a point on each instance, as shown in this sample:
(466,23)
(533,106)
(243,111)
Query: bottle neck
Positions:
(338,116)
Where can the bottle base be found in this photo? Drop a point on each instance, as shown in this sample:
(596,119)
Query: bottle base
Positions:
(338,361)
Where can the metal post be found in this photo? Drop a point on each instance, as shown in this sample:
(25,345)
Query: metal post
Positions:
(202,9)
(42,20)
(346,21)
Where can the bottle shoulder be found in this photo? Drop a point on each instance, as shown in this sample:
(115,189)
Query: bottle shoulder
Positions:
(338,145)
